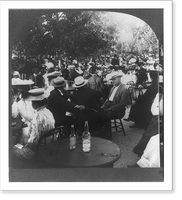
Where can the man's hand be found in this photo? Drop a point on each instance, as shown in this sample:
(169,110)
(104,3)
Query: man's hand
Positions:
(80,107)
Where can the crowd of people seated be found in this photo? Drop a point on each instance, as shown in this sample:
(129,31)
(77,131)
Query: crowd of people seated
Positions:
(100,89)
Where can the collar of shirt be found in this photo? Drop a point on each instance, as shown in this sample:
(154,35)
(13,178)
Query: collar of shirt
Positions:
(60,92)
(113,93)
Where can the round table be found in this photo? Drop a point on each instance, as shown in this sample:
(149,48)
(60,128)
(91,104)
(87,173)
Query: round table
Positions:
(103,154)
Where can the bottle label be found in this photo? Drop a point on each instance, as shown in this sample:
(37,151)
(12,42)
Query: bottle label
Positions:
(72,143)
(86,145)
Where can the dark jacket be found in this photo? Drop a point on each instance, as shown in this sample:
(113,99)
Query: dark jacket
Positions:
(58,105)
(140,112)
(119,101)
(148,97)
(74,74)
(87,97)
(90,99)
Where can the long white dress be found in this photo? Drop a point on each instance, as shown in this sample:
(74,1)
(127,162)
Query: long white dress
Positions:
(151,155)
(26,111)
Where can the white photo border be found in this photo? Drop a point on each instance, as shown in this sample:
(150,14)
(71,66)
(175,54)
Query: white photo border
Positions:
(4,89)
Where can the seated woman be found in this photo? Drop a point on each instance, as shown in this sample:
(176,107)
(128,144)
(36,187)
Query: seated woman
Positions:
(140,112)
(42,122)
(148,148)
(22,110)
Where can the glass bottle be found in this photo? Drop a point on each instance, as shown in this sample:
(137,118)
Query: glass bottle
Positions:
(86,138)
(72,138)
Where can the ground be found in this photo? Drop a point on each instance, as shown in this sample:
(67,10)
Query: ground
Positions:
(127,143)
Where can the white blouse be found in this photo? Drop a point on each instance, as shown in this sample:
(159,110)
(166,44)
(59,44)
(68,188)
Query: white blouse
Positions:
(42,121)
(157,107)
(24,108)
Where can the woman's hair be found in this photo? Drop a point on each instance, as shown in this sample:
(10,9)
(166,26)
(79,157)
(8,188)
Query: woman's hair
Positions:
(24,94)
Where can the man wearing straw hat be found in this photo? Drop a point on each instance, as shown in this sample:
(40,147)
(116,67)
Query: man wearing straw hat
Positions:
(115,105)
(91,100)
(58,103)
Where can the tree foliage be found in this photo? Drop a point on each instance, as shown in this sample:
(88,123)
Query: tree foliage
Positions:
(81,34)
(143,40)
(74,33)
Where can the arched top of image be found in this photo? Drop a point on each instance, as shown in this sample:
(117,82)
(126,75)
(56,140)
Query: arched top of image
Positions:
(85,33)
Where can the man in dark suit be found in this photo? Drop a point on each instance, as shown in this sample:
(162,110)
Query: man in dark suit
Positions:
(84,95)
(114,106)
(58,104)
(91,100)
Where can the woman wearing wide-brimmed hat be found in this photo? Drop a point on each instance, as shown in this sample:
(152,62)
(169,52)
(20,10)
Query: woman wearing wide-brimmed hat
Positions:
(140,112)
(42,121)
(22,110)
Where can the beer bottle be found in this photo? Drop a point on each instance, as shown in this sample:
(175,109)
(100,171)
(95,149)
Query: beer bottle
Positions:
(72,138)
(86,138)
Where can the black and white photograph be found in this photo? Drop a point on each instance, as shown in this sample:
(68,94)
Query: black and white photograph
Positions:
(86,100)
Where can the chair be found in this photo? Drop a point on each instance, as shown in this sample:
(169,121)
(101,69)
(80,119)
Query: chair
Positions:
(51,136)
(136,93)
(94,121)
(117,124)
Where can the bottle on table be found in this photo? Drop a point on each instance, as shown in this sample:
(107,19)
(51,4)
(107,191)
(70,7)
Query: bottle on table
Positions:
(86,138)
(72,138)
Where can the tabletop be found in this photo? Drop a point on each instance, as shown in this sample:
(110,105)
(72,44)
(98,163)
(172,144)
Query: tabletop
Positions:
(103,153)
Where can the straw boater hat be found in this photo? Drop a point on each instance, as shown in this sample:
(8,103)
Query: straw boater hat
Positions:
(53,74)
(16,73)
(36,95)
(19,82)
(132,60)
(58,82)
(79,82)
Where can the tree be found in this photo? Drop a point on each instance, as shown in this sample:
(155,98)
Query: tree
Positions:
(75,33)
(143,40)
